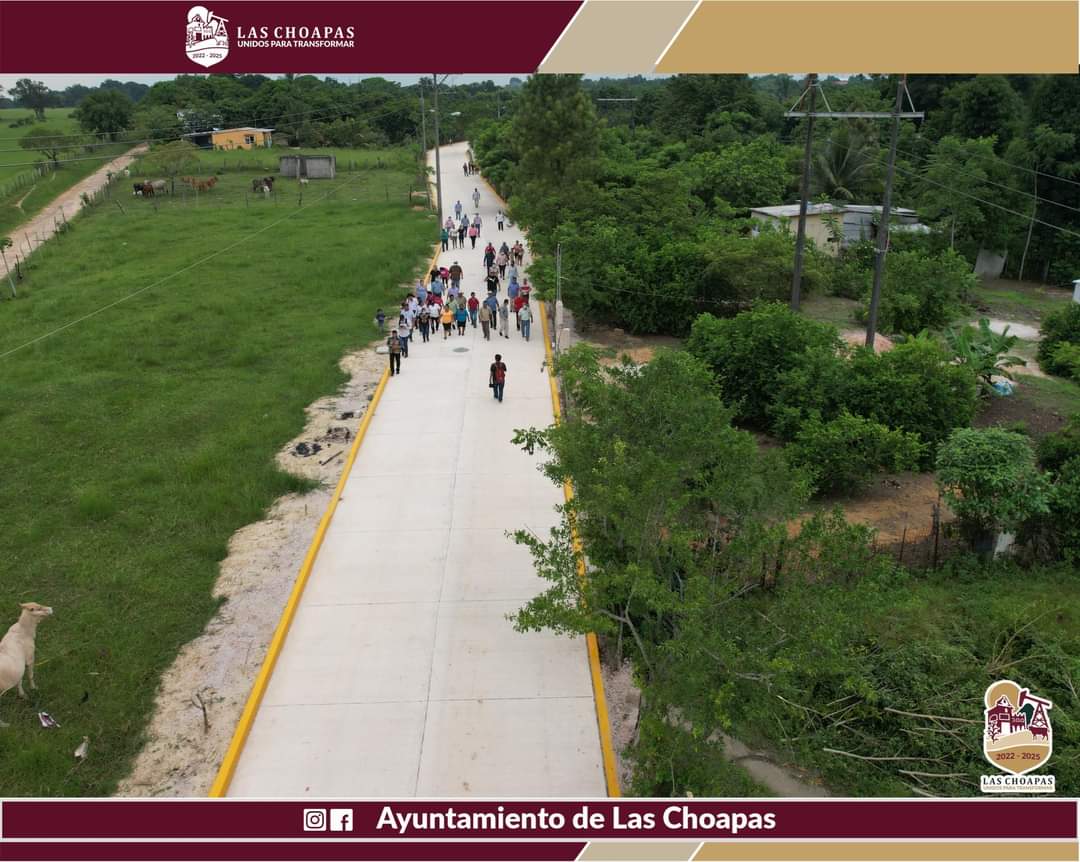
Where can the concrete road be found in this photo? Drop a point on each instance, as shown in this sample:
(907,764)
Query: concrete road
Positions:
(401,675)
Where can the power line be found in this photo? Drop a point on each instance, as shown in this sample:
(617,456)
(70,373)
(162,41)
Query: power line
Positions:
(172,275)
(956,170)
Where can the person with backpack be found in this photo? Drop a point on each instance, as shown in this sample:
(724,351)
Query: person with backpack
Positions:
(498,377)
(474,308)
(393,345)
(525,320)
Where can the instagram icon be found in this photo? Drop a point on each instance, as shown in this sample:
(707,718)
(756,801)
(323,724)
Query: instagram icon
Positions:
(314,819)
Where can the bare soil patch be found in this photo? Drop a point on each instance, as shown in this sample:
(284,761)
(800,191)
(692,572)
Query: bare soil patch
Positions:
(1020,408)
(202,695)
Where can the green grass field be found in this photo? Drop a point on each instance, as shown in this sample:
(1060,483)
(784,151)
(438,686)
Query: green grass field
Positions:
(138,440)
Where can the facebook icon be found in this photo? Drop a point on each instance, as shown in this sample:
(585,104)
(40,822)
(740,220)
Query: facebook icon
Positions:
(341,820)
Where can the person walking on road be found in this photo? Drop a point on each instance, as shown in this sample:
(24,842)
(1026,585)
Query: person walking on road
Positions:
(462,229)
(393,345)
(474,308)
(447,318)
(474,232)
(434,312)
(456,272)
(489,255)
(501,261)
(525,320)
(445,237)
(461,315)
(504,319)
(477,223)
(424,323)
(380,319)
(476,198)
(485,320)
(492,282)
(519,303)
(404,330)
(498,377)
(457,211)
(465,168)
(499,219)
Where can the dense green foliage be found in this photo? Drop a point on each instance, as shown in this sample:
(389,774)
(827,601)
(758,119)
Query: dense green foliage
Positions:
(844,453)
(984,351)
(1059,327)
(1055,449)
(989,477)
(749,352)
(812,645)
(922,291)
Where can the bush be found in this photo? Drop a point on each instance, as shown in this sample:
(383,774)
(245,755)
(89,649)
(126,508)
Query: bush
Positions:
(989,477)
(1065,511)
(1061,446)
(749,351)
(1067,356)
(913,387)
(984,351)
(922,291)
(1059,327)
(842,455)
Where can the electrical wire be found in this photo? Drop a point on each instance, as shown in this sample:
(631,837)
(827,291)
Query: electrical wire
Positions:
(172,275)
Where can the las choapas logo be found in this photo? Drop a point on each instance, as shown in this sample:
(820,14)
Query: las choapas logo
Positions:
(207,37)
(1017,739)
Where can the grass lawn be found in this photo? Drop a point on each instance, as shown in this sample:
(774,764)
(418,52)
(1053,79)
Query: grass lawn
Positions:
(831,309)
(1053,393)
(1017,300)
(138,440)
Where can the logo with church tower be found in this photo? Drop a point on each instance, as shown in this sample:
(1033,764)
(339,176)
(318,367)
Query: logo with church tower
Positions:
(1017,736)
(207,37)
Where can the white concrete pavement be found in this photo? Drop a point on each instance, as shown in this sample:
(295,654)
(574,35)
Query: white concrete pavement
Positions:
(401,675)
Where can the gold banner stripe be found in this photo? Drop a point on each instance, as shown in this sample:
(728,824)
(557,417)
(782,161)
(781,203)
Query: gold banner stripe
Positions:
(617,36)
(888,36)
(638,851)
(898,851)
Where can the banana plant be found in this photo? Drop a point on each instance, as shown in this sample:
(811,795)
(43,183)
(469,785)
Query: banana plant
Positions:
(986,352)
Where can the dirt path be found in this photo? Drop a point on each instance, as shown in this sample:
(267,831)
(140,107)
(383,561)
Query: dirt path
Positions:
(29,235)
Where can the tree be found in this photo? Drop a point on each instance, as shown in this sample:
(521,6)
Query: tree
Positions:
(982,107)
(743,175)
(106,112)
(156,122)
(989,477)
(847,166)
(173,159)
(35,95)
(984,351)
(557,136)
(48,141)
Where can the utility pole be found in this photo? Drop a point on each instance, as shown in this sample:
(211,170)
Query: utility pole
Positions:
(1031,224)
(896,115)
(557,321)
(423,124)
(886,211)
(438,171)
(804,195)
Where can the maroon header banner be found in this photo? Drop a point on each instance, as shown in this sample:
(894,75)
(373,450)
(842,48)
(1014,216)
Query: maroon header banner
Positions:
(557,819)
(110,37)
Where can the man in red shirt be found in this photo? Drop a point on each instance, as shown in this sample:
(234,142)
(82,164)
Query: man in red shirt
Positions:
(474,308)
(519,301)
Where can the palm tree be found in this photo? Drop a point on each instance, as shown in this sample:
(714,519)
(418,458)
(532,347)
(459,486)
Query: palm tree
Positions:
(846,167)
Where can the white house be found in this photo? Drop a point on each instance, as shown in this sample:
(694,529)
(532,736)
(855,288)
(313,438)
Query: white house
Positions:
(849,222)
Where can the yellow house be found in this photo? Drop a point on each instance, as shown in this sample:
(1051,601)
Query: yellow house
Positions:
(243,138)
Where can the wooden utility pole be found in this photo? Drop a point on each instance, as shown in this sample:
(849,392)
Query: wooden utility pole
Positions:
(804,195)
(423,124)
(886,212)
(438,170)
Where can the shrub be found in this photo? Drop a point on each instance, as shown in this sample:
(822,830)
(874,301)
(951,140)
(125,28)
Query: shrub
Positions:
(989,477)
(1061,446)
(913,387)
(1065,511)
(922,291)
(1059,326)
(1067,356)
(749,351)
(843,453)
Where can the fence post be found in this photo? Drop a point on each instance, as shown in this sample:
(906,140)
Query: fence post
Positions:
(903,541)
(937,531)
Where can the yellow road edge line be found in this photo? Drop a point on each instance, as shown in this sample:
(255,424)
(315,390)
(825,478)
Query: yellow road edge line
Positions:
(603,722)
(225,773)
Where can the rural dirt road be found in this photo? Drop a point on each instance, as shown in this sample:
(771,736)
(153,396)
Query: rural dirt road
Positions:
(30,234)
